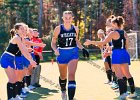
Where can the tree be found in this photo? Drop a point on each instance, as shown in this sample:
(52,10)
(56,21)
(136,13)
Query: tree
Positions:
(135,18)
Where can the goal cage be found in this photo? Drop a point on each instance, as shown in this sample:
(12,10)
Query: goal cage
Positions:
(133,45)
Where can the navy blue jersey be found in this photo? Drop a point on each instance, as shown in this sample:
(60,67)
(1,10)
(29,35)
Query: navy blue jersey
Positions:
(67,38)
(110,43)
(14,49)
(121,42)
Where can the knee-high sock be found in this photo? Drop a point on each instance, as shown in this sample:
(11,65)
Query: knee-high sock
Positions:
(114,77)
(131,84)
(71,89)
(122,86)
(109,75)
(63,84)
(16,88)
(28,80)
(20,86)
(125,82)
(10,90)
(23,83)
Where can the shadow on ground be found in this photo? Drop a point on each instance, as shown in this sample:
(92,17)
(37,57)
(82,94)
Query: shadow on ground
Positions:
(138,92)
(41,93)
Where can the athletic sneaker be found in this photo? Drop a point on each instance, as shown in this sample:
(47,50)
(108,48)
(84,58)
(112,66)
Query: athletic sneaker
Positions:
(114,86)
(11,99)
(23,95)
(117,90)
(64,95)
(107,82)
(31,87)
(27,89)
(18,98)
(132,95)
(126,94)
(122,97)
(110,83)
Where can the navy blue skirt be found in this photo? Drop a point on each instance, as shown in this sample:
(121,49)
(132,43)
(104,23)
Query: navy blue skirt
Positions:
(26,62)
(19,62)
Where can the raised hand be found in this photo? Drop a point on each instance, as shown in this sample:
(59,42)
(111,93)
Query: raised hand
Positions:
(88,42)
(56,52)
(42,45)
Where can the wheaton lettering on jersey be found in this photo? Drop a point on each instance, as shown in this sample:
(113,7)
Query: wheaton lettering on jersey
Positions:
(68,35)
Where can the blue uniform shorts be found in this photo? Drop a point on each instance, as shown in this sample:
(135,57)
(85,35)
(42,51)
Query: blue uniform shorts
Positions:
(66,55)
(7,59)
(120,56)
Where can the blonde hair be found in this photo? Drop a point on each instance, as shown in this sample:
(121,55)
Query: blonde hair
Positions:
(108,20)
(68,12)
(100,31)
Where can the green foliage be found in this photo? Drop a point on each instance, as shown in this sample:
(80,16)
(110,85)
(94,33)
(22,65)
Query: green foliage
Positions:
(47,41)
(13,11)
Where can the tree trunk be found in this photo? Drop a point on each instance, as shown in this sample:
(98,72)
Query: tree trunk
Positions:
(135,18)
(40,17)
(85,11)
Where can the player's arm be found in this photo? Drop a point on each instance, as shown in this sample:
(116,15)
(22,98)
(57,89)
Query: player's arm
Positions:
(34,44)
(127,41)
(54,40)
(112,35)
(79,45)
(24,51)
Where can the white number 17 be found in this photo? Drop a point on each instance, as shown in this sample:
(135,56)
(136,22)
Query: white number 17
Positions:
(67,41)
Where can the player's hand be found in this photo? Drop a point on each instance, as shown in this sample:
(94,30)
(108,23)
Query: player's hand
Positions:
(106,54)
(56,52)
(88,42)
(42,45)
(85,53)
(40,56)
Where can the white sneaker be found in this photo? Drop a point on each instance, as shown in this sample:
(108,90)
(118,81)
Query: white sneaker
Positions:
(110,83)
(11,99)
(122,97)
(18,98)
(114,86)
(31,87)
(107,82)
(132,95)
(27,89)
(126,94)
(117,90)
(64,95)
(23,94)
